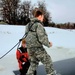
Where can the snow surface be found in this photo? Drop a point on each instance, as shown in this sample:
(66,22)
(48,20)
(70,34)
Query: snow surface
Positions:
(62,52)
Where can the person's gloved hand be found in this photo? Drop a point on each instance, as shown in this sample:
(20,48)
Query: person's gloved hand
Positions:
(20,39)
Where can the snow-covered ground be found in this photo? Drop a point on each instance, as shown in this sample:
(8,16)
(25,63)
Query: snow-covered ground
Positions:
(62,52)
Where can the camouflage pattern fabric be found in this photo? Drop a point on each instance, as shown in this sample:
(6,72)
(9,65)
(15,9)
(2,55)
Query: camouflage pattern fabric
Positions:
(35,40)
(37,55)
(37,36)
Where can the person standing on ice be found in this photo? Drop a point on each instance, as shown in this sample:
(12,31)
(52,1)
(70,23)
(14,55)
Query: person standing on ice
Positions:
(35,39)
(23,58)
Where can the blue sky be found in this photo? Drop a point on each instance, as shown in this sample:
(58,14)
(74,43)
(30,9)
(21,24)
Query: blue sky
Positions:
(61,10)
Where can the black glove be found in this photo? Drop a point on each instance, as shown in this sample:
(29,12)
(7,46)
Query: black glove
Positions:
(20,39)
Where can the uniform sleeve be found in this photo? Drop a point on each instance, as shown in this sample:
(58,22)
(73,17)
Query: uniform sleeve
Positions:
(42,36)
(18,56)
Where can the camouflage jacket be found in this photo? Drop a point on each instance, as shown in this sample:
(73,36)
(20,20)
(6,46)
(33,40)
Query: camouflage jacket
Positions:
(37,36)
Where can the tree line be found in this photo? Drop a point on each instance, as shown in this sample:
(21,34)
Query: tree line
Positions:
(17,13)
(63,25)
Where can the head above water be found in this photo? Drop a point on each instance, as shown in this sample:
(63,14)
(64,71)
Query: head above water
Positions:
(38,13)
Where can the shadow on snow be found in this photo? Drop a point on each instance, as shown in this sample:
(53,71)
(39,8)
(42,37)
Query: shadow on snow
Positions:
(64,67)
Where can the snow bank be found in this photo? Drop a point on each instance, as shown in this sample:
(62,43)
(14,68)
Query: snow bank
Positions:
(63,48)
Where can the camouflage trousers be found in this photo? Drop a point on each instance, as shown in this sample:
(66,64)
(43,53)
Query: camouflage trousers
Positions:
(36,55)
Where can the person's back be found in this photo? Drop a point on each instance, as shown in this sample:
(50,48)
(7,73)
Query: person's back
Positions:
(35,40)
(32,37)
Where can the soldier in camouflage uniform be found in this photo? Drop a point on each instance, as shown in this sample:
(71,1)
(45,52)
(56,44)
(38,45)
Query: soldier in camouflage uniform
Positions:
(35,40)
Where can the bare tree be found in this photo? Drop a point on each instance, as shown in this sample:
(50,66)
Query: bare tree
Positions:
(1,9)
(24,12)
(10,10)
